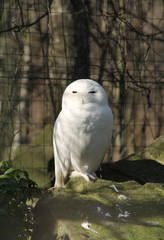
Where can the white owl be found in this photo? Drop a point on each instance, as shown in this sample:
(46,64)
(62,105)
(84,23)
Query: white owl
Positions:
(82,131)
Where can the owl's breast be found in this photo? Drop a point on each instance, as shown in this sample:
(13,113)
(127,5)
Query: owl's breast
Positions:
(90,139)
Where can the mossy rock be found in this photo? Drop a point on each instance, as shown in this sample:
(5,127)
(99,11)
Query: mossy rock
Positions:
(127,205)
(115,211)
(154,151)
(35,157)
(146,166)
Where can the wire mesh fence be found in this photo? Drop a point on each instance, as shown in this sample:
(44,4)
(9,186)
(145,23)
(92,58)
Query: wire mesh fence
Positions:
(45,45)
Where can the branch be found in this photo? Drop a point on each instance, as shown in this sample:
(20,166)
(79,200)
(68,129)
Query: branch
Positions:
(21,12)
(134,29)
(116,15)
(23,26)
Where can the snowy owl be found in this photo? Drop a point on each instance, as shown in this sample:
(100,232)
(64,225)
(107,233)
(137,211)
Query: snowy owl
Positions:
(82,131)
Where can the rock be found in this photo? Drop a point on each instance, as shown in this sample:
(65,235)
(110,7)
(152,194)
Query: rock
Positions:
(154,151)
(97,210)
(129,205)
(142,171)
(143,167)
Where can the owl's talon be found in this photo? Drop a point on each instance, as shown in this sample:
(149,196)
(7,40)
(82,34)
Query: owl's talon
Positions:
(92,176)
(87,176)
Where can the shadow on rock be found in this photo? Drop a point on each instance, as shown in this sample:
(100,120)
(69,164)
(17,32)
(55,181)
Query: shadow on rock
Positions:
(142,171)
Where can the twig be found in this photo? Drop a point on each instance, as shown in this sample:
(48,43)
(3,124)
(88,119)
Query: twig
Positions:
(18,28)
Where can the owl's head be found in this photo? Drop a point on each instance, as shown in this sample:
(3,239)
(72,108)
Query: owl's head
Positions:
(83,92)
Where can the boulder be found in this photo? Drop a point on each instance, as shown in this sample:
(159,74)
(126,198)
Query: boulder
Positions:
(154,151)
(127,205)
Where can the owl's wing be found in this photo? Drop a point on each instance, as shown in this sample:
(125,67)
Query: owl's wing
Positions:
(61,152)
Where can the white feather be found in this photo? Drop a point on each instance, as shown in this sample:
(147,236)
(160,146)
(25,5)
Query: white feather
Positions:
(82,131)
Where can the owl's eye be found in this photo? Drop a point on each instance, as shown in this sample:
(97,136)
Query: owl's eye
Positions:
(92,92)
(74,92)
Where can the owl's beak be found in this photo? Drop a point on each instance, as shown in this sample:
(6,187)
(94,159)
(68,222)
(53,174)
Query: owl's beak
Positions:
(83,100)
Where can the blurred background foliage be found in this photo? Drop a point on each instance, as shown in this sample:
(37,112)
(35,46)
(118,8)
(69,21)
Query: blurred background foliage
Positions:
(45,45)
